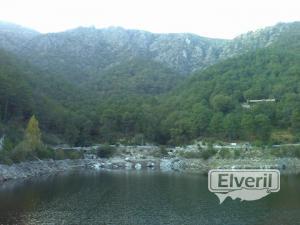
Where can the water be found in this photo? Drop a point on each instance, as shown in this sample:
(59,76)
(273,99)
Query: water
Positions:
(105,198)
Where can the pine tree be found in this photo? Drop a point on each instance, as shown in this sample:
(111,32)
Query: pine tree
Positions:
(33,134)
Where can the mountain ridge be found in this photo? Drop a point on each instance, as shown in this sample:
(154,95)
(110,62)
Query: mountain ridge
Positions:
(182,52)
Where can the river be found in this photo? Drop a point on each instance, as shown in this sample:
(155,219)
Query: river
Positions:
(142,198)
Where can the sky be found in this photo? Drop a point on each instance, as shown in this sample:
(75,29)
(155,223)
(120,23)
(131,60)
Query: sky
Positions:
(210,18)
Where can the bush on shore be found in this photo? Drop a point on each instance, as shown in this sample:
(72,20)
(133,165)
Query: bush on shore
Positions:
(106,151)
(32,148)
(208,153)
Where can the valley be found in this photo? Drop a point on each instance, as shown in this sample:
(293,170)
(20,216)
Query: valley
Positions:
(131,87)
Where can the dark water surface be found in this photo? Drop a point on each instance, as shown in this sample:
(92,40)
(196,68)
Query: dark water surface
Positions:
(140,198)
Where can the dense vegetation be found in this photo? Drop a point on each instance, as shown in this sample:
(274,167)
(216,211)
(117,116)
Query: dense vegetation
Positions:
(210,103)
(31,147)
(141,100)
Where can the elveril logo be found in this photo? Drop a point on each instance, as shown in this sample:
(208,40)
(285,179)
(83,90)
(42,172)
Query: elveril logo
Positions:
(245,184)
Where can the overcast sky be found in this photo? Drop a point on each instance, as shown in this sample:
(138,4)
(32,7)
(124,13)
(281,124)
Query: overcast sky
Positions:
(212,18)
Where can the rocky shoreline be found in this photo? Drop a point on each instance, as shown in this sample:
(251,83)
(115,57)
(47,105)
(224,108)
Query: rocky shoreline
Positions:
(43,167)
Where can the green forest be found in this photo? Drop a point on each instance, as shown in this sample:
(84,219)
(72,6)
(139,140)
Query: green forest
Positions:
(140,101)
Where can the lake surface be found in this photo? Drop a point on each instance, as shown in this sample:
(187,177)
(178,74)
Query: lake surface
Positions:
(105,198)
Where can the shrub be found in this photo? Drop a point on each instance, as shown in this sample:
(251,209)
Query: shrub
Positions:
(44,152)
(291,152)
(18,154)
(191,155)
(237,154)
(51,139)
(106,151)
(59,154)
(225,153)
(206,154)
(5,158)
(73,155)
(163,151)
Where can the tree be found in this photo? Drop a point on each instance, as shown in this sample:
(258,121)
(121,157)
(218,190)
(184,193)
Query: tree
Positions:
(231,125)
(222,103)
(200,117)
(248,126)
(33,134)
(263,127)
(296,120)
(31,146)
(216,124)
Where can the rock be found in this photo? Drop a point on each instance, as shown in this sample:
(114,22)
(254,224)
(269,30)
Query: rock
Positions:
(165,165)
(178,165)
(150,164)
(128,166)
(2,142)
(37,168)
(115,166)
(138,166)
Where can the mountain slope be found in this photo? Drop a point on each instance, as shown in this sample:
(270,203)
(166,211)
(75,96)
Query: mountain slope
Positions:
(89,50)
(134,77)
(84,54)
(25,90)
(13,37)
(88,85)
(209,104)
(257,39)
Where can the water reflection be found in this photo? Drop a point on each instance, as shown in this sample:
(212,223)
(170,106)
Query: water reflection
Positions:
(145,197)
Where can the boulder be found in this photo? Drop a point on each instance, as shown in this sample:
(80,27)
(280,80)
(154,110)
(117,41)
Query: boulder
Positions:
(178,165)
(165,164)
(138,166)
(128,166)
(150,164)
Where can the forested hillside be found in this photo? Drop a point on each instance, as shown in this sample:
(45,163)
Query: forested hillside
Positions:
(88,86)
(213,103)
(109,108)
(26,91)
